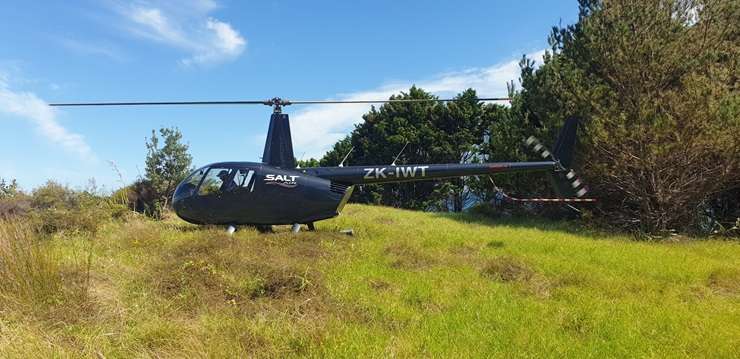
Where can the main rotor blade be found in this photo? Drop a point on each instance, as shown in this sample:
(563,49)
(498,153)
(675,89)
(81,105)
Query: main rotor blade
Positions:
(163,103)
(318,102)
(272,102)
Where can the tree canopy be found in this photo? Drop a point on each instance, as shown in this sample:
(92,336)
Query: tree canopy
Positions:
(168,165)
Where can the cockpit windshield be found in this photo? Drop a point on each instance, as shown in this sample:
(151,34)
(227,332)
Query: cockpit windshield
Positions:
(190,184)
(215,180)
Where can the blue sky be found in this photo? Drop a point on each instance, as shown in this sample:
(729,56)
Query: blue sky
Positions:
(226,50)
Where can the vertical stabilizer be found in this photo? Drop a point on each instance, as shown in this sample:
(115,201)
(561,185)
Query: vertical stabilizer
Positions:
(566,142)
(279,145)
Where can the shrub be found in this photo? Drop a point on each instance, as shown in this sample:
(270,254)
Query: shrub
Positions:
(13,207)
(140,197)
(53,195)
(58,208)
(8,189)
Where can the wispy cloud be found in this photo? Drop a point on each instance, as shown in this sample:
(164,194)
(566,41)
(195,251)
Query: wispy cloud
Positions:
(187,26)
(316,128)
(95,49)
(30,107)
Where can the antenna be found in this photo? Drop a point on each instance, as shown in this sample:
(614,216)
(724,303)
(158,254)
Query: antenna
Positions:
(341,164)
(298,165)
(399,154)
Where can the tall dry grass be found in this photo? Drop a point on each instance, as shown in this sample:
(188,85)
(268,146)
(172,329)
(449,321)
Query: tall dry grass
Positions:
(29,273)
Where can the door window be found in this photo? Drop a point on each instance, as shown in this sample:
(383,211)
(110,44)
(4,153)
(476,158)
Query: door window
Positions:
(244,177)
(217,180)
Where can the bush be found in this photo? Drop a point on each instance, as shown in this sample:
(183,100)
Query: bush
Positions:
(53,195)
(58,208)
(140,197)
(8,189)
(13,207)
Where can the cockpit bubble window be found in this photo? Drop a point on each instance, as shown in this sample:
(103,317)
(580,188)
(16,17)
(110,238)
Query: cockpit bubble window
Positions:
(188,186)
(217,180)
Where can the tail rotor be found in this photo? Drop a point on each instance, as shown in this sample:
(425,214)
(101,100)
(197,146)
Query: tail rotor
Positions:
(566,183)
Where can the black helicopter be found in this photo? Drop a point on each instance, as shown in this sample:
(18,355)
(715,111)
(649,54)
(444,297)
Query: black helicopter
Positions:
(276,192)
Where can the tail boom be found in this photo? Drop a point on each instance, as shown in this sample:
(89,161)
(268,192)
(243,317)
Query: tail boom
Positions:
(406,173)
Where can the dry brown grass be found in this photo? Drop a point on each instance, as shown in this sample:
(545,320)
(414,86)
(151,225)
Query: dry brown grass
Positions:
(26,271)
(509,269)
(253,277)
(725,281)
(405,257)
(33,280)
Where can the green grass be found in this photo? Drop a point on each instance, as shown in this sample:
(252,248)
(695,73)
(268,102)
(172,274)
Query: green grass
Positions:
(408,284)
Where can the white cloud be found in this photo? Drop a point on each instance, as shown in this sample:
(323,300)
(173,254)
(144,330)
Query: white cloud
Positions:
(316,128)
(186,26)
(30,107)
(86,48)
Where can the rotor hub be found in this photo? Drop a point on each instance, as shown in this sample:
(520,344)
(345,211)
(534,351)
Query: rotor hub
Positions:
(277,104)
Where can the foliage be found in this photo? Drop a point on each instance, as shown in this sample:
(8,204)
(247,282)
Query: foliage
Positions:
(655,83)
(507,127)
(311,162)
(54,196)
(140,197)
(337,153)
(16,206)
(13,202)
(58,208)
(408,284)
(8,189)
(168,165)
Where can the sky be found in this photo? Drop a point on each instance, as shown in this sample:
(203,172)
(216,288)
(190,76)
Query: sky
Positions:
(160,50)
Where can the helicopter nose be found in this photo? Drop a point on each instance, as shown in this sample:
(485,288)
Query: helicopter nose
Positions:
(181,195)
(176,203)
(181,207)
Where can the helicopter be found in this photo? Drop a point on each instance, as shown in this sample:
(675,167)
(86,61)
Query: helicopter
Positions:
(277,192)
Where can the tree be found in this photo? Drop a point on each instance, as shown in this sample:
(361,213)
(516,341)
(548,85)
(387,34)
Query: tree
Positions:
(420,132)
(311,162)
(166,166)
(337,153)
(8,189)
(655,83)
(507,127)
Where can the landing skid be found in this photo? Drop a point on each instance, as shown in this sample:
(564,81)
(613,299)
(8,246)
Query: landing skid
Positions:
(260,228)
(297,227)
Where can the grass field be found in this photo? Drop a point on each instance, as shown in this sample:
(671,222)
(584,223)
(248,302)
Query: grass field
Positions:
(407,284)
